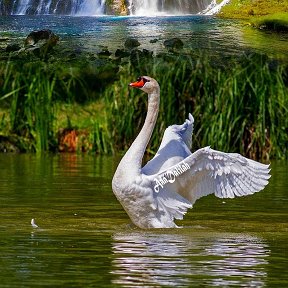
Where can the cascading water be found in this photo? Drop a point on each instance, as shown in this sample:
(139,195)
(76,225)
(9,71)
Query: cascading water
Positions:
(98,7)
(214,8)
(172,7)
(64,7)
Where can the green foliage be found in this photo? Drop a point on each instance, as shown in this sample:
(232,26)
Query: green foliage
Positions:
(276,22)
(239,105)
(31,107)
(29,93)
(243,9)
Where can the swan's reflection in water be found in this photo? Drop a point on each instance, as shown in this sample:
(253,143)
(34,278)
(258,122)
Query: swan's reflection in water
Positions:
(166,259)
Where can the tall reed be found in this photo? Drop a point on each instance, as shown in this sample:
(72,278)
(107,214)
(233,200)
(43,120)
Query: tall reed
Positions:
(31,106)
(239,104)
(238,108)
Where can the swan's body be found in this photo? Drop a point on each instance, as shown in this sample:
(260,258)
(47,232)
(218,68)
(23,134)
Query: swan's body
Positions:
(162,191)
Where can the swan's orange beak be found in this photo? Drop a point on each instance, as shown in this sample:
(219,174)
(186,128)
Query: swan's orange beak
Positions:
(138,84)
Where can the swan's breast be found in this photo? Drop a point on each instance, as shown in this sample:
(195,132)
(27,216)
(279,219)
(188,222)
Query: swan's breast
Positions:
(137,199)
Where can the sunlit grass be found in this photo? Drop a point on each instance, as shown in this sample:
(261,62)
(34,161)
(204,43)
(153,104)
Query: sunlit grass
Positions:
(249,8)
(276,22)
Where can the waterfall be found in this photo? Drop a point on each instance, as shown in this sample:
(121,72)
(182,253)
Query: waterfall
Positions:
(175,7)
(42,7)
(214,8)
(87,6)
(98,7)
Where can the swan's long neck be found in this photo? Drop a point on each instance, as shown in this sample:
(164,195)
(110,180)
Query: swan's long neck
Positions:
(131,163)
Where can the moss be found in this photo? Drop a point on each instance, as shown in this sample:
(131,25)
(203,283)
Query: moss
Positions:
(116,7)
(276,22)
(245,9)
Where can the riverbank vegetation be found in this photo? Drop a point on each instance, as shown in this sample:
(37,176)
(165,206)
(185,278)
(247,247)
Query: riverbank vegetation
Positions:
(239,105)
(276,22)
(244,9)
(262,14)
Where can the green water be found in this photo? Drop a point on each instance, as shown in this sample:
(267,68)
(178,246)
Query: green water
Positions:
(85,239)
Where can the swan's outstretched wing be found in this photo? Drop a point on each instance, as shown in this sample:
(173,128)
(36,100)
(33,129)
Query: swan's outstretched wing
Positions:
(208,171)
(175,147)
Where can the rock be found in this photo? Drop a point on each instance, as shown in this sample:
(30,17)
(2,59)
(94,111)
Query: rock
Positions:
(12,47)
(45,40)
(173,43)
(105,53)
(116,7)
(153,41)
(121,53)
(131,43)
(47,35)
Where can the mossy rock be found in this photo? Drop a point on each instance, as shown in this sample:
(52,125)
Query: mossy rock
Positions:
(131,43)
(173,43)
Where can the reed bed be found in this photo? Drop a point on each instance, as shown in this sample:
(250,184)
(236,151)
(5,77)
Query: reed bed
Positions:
(239,105)
(29,98)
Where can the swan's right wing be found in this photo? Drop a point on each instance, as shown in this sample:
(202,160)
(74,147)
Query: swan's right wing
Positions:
(208,171)
(175,147)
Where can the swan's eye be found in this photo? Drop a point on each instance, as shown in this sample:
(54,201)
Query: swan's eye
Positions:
(142,79)
(145,80)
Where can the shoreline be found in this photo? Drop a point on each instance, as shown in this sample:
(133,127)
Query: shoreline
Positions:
(62,111)
(263,15)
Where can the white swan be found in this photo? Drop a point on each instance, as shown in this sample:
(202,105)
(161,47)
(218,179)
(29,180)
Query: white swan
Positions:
(162,191)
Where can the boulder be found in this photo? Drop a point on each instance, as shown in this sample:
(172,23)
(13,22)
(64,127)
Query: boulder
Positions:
(153,41)
(105,53)
(45,40)
(121,53)
(116,7)
(46,36)
(173,43)
(131,43)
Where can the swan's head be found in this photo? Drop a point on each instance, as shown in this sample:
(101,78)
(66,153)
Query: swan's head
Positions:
(146,84)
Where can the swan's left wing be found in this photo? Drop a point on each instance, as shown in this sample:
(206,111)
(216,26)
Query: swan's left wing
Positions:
(208,171)
(175,147)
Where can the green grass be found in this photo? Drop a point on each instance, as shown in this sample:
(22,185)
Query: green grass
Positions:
(243,9)
(276,22)
(239,105)
(33,97)
(29,96)
(236,108)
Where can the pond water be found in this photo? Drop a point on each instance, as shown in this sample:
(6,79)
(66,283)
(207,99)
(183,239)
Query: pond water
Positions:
(85,239)
(198,32)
